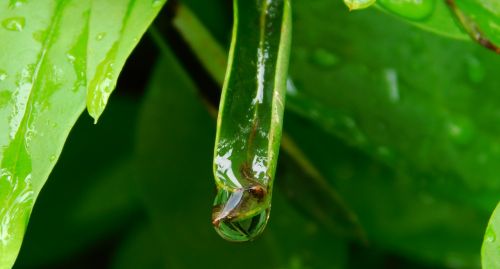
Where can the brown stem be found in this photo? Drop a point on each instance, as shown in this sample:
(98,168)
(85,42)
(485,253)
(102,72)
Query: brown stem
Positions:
(471,27)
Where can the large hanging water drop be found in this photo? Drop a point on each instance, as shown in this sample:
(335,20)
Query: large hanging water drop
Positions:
(250,118)
(241,215)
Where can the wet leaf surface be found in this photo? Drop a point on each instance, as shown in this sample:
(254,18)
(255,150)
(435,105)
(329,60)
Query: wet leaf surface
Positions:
(491,245)
(43,78)
(174,151)
(386,89)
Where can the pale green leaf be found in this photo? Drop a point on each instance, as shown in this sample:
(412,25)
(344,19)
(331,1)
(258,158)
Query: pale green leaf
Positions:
(116,27)
(43,78)
(491,246)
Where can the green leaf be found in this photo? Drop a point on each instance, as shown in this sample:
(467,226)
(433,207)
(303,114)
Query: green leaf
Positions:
(116,26)
(320,201)
(481,20)
(83,216)
(140,249)
(439,127)
(431,15)
(251,117)
(176,182)
(43,76)
(398,213)
(196,35)
(490,251)
(446,195)
(309,191)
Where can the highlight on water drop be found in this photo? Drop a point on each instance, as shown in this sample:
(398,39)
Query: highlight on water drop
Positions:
(250,119)
(410,9)
(15,24)
(359,4)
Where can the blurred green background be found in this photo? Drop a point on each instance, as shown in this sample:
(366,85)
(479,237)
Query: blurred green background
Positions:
(403,124)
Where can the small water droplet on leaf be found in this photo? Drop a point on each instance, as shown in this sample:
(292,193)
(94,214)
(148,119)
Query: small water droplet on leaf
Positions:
(100,36)
(3,75)
(16,3)
(358,4)
(14,24)
(411,9)
(324,58)
(490,235)
(460,131)
(475,70)
(157,3)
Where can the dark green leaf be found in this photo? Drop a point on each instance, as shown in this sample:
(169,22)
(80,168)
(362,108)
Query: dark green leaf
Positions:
(140,249)
(78,206)
(336,108)
(390,98)
(177,179)
(319,201)
(398,212)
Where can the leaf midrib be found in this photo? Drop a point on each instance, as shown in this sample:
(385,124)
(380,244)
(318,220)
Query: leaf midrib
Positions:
(46,45)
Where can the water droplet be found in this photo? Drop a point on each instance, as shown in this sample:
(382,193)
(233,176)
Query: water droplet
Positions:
(291,89)
(5,97)
(460,131)
(359,138)
(157,3)
(324,58)
(71,58)
(14,24)
(102,84)
(358,4)
(241,215)
(411,9)
(349,122)
(391,77)
(100,36)
(3,75)
(52,158)
(16,3)
(490,235)
(39,36)
(454,260)
(427,198)
(475,70)
(383,152)
(296,262)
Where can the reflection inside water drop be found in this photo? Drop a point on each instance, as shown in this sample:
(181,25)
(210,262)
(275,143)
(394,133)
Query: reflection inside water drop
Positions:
(242,214)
